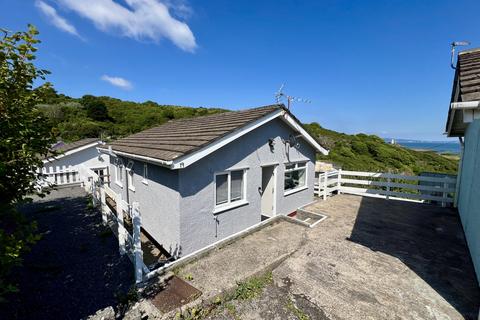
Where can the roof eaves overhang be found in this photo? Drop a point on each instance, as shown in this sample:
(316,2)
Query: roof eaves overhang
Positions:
(69,152)
(115,153)
(470,110)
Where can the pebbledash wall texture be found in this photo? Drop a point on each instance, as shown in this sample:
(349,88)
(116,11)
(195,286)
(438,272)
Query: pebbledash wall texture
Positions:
(177,206)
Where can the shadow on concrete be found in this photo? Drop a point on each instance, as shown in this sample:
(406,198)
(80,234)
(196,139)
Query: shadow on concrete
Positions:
(75,269)
(426,238)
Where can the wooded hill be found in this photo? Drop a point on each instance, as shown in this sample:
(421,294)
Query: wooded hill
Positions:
(109,118)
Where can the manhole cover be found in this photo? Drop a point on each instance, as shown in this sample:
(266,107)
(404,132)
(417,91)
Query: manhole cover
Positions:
(176,293)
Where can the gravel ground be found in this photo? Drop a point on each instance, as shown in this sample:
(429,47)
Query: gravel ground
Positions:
(75,269)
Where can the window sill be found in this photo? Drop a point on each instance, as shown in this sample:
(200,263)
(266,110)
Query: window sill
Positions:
(145,182)
(229,206)
(131,188)
(119,184)
(289,192)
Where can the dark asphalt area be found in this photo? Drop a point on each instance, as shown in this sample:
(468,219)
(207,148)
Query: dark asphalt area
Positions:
(75,269)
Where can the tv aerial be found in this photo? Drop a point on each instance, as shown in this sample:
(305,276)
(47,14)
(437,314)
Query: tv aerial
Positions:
(280,95)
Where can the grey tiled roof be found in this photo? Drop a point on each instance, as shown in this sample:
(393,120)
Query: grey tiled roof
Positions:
(468,68)
(60,147)
(180,137)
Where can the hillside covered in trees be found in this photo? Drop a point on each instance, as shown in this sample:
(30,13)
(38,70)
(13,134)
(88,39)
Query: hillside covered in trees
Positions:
(363,152)
(109,118)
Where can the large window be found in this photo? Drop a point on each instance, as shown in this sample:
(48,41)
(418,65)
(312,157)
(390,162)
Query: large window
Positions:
(229,187)
(295,176)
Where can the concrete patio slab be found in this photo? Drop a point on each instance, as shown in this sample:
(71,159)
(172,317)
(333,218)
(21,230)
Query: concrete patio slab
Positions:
(379,259)
(221,269)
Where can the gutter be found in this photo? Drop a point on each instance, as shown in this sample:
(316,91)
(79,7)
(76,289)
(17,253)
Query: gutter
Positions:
(163,163)
(467,105)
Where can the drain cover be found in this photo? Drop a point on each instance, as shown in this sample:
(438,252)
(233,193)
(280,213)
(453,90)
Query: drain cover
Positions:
(176,293)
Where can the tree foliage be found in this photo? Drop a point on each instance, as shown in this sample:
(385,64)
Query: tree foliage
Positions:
(24,137)
(75,119)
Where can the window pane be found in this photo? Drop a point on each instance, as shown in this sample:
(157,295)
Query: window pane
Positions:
(130,178)
(301,177)
(289,183)
(295,179)
(221,189)
(236,192)
(301,165)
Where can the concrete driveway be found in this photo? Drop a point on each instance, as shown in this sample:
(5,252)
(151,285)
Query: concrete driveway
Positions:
(370,259)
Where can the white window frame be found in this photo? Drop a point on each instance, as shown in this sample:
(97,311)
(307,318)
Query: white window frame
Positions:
(145,174)
(296,168)
(130,183)
(119,172)
(229,204)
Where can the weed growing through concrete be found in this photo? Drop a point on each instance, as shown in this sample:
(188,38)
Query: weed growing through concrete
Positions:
(252,287)
(296,311)
(246,290)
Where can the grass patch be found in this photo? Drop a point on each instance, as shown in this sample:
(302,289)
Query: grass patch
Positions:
(89,200)
(251,288)
(246,290)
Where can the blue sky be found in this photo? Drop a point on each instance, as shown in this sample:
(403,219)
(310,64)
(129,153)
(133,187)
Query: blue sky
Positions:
(379,67)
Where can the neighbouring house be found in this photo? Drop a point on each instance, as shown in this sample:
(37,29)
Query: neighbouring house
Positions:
(464,122)
(202,179)
(65,167)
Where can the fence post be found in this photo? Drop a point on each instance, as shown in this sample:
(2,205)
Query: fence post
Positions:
(94,194)
(389,181)
(325,185)
(103,204)
(339,181)
(137,244)
(121,228)
(445,193)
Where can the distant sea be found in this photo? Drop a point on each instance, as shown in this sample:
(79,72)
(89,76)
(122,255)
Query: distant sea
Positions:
(437,146)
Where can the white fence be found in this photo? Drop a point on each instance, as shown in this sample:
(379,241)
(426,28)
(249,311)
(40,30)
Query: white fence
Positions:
(387,185)
(60,176)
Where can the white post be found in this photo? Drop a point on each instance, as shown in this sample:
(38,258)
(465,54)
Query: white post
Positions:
(137,244)
(121,228)
(339,181)
(445,194)
(325,185)
(103,205)
(94,194)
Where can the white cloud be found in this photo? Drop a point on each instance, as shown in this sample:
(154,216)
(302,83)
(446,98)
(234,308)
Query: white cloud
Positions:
(118,82)
(58,21)
(140,19)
